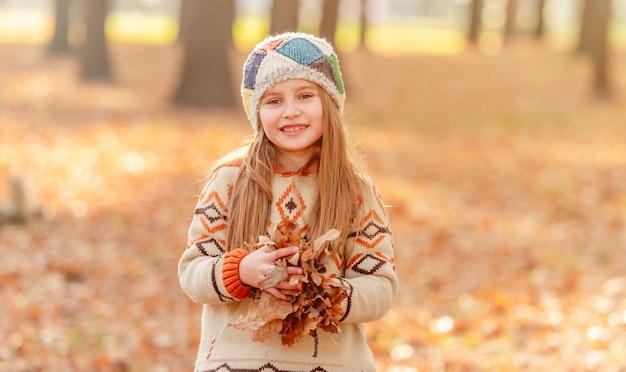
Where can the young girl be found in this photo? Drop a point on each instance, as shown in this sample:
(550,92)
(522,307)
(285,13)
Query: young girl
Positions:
(298,167)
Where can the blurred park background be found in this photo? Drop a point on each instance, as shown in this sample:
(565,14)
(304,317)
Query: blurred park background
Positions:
(495,130)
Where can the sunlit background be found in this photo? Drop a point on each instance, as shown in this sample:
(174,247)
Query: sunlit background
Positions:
(503,165)
(397,26)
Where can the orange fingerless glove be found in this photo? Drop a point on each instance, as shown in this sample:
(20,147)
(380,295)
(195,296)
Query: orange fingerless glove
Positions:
(230,274)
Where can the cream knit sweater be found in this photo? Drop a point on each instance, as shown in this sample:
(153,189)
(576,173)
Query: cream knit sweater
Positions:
(366,272)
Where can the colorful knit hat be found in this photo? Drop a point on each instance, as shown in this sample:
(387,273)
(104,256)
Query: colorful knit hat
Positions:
(289,56)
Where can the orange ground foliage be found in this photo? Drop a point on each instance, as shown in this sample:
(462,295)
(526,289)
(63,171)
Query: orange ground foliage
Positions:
(506,188)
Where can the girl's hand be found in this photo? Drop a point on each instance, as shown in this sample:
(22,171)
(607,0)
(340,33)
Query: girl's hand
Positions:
(253,268)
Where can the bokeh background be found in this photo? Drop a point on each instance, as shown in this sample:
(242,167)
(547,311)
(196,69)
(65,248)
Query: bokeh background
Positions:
(495,130)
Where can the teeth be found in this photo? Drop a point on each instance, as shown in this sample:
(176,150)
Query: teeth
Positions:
(294,129)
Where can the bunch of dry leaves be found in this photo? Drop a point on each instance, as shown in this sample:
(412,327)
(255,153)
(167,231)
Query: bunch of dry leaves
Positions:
(316,306)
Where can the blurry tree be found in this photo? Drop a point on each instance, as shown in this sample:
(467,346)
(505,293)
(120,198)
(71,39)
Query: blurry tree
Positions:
(59,42)
(182,20)
(600,14)
(330,15)
(423,7)
(284,16)
(15,212)
(95,57)
(585,32)
(328,26)
(207,42)
(540,28)
(364,24)
(473,32)
(511,18)
(593,42)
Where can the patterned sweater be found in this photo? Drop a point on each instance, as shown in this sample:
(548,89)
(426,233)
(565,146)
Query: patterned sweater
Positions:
(206,274)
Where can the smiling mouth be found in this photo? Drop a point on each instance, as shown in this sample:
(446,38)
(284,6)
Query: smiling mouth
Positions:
(294,128)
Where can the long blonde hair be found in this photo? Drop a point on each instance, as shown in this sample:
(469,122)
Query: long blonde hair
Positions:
(340,180)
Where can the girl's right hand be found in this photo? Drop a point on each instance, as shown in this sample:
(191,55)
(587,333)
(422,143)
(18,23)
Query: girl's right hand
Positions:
(254,266)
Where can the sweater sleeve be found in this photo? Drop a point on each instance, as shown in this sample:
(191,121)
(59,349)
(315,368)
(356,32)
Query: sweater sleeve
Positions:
(207,271)
(370,279)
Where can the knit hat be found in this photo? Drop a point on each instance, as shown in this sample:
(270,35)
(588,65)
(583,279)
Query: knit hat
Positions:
(289,56)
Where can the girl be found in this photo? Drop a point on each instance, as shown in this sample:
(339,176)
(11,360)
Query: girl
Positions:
(297,167)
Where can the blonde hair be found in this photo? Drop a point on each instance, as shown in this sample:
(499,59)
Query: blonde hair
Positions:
(340,180)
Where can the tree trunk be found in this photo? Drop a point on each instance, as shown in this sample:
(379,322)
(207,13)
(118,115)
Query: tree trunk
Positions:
(284,16)
(585,38)
(183,31)
(206,74)
(330,15)
(475,22)
(59,42)
(95,58)
(540,29)
(511,18)
(16,211)
(601,14)
(364,24)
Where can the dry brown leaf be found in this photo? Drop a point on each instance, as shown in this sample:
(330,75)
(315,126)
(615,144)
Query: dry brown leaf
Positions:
(262,311)
(328,236)
(275,275)
(318,305)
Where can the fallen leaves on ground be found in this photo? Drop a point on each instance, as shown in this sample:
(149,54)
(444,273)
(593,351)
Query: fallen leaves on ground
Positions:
(505,185)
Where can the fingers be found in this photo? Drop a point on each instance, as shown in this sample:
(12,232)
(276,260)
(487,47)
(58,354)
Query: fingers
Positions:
(283,252)
(277,293)
(255,266)
(291,289)
(294,270)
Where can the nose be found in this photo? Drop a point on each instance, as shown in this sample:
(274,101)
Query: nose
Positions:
(291,110)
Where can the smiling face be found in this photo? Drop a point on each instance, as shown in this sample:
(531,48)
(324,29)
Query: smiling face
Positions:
(291,114)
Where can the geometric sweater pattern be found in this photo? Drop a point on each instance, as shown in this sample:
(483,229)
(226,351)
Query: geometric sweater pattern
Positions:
(366,273)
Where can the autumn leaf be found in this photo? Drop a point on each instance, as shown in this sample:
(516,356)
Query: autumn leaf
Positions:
(263,311)
(274,275)
(318,305)
(328,236)
(512,190)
